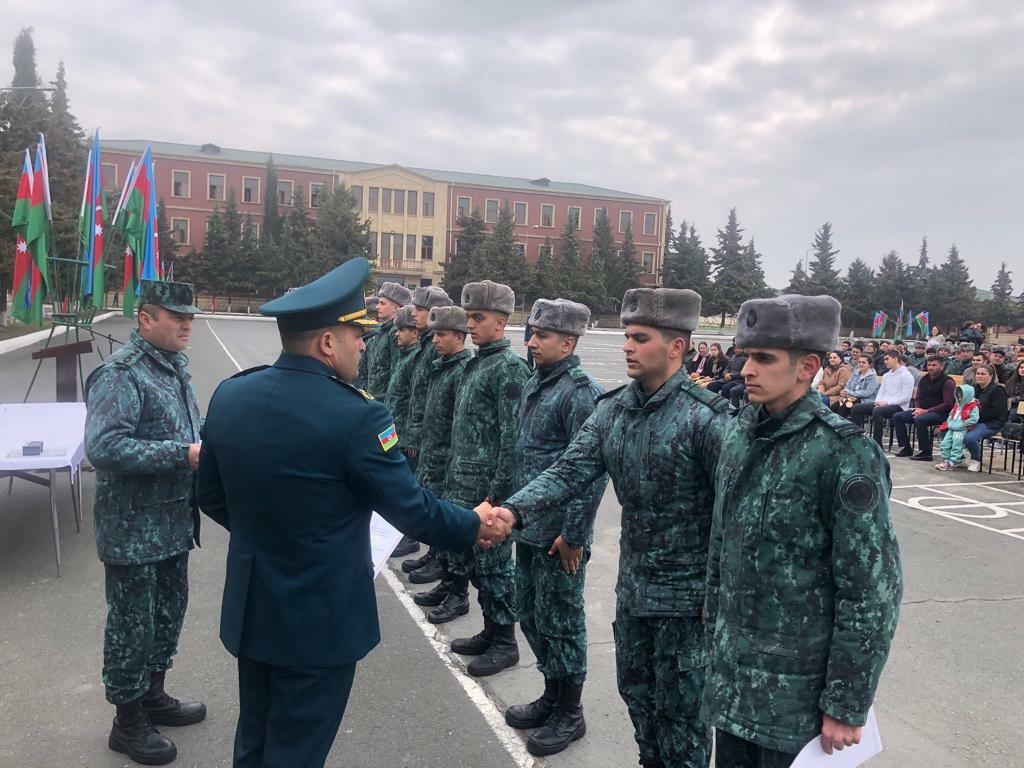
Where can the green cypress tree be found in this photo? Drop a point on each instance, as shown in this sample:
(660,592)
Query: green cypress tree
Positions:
(799,282)
(605,270)
(272,221)
(958,297)
(999,309)
(459,266)
(824,277)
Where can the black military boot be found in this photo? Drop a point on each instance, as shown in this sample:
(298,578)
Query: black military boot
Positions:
(536,713)
(432,571)
(413,564)
(502,653)
(477,644)
(135,736)
(455,604)
(434,596)
(565,725)
(405,547)
(162,709)
(651,762)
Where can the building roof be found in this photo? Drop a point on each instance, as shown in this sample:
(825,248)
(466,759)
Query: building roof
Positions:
(213,153)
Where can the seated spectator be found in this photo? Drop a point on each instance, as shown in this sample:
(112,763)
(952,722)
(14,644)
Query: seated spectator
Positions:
(717,362)
(732,377)
(962,417)
(977,360)
(963,360)
(933,402)
(877,358)
(992,405)
(834,376)
(894,394)
(861,388)
(697,360)
(1015,392)
(844,350)
(998,360)
(856,351)
(918,359)
(936,339)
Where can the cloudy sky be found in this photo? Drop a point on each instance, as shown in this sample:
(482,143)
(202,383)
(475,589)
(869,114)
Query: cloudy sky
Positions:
(893,120)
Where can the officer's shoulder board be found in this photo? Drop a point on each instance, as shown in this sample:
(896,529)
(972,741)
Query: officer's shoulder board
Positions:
(712,400)
(579,376)
(841,426)
(362,392)
(610,393)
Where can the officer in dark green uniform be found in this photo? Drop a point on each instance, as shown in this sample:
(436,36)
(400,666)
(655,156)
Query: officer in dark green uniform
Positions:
(804,578)
(142,436)
(293,462)
(381,351)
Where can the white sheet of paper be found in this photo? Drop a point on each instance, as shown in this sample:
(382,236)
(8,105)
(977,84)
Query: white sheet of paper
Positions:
(384,537)
(813,756)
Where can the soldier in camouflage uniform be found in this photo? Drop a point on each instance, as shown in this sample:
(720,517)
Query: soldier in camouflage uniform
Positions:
(381,350)
(142,436)
(427,568)
(659,440)
(481,466)
(407,345)
(918,359)
(553,550)
(450,598)
(371,333)
(804,579)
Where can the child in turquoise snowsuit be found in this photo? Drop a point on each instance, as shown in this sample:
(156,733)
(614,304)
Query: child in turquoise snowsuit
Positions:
(964,415)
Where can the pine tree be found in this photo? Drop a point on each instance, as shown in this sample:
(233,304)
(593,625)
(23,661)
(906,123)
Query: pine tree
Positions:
(459,266)
(628,272)
(210,272)
(570,281)
(799,282)
(737,271)
(502,258)
(298,241)
(66,154)
(999,309)
(271,214)
(957,302)
(859,278)
(890,285)
(824,277)
(686,266)
(604,267)
(543,282)
(165,239)
(340,232)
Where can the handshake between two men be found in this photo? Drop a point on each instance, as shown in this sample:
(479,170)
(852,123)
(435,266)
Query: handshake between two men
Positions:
(496,524)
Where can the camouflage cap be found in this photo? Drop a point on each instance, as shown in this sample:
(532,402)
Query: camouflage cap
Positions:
(675,308)
(488,296)
(395,292)
(966,346)
(405,317)
(789,322)
(560,315)
(919,344)
(986,347)
(429,296)
(448,319)
(177,297)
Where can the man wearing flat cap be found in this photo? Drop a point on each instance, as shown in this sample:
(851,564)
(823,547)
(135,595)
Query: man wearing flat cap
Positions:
(381,349)
(552,552)
(424,298)
(450,598)
(918,359)
(293,462)
(658,439)
(481,466)
(142,436)
(804,579)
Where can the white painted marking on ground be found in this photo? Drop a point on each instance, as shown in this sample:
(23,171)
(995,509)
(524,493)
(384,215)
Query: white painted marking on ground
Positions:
(983,510)
(509,739)
(230,356)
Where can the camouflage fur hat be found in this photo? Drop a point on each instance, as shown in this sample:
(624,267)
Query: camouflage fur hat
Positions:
(396,292)
(675,308)
(177,297)
(448,319)
(488,296)
(966,346)
(789,322)
(560,315)
(429,296)
(405,317)
(371,303)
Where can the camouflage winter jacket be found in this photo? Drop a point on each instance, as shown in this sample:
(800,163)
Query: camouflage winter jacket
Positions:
(481,462)
(362,371)
(381,352)
(436,432)
(142,416)
(556,402)
(423,371)
(804,579)
(399,390)
(660,451)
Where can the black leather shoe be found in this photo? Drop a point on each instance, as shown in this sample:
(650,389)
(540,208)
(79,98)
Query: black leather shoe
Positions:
(502,653)
(405,547)
(477,644)
(921,457)
(454,605)
(134,735)
(434,596)
(408,566)
(432,571)
(162,709)
(536,713)
(904,453)
(565,725)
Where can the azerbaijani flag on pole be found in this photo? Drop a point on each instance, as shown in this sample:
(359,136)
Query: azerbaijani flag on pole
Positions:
(922,322)
(23,266)
(90,227)
(37,235)
(138,207)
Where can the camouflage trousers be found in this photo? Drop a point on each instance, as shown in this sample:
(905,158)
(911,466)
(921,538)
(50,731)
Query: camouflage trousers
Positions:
(145,610)
(493,573)
(660,666)
(734,752)
(551,612)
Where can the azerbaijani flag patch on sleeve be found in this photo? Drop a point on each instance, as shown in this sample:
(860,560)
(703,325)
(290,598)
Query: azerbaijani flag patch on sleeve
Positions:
(388,438)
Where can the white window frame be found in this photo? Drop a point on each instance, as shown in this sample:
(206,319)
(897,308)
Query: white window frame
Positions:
(433,204)
(579,215)
(497,209)
(290,202)
(597,210)
(224,187)
(621,212)
(113,184)
(552,207)
(652,254)
(412,208)
(259,189)
(188,228)
(654,226)
(321,185)
(188,183)
(469,205)
(526,213)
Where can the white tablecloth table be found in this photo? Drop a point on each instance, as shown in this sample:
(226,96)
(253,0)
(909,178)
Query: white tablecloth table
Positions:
(61,428)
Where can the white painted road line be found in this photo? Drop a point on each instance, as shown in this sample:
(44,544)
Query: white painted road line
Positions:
(230,356)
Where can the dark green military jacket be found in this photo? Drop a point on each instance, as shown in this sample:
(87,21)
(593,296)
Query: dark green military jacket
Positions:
(399,389)
(917,361)
(660,451)
(142,416)
(362,372)
(436,432)
(423,371)
(482,459)
(804,579)
(557,400)
(381,351)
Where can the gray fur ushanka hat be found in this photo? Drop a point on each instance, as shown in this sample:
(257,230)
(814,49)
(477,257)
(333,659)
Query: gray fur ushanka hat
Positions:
(430,296)
(396,292)
(675,308)
(560,315)
(448,319)
(789,322)
(405,317)
(488,296)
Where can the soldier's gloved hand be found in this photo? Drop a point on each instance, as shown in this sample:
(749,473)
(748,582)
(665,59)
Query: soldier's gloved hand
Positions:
(193,456)
(571,558)
(837,734)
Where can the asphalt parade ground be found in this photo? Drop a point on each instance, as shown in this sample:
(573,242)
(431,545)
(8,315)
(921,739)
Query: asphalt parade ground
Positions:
(949,697)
